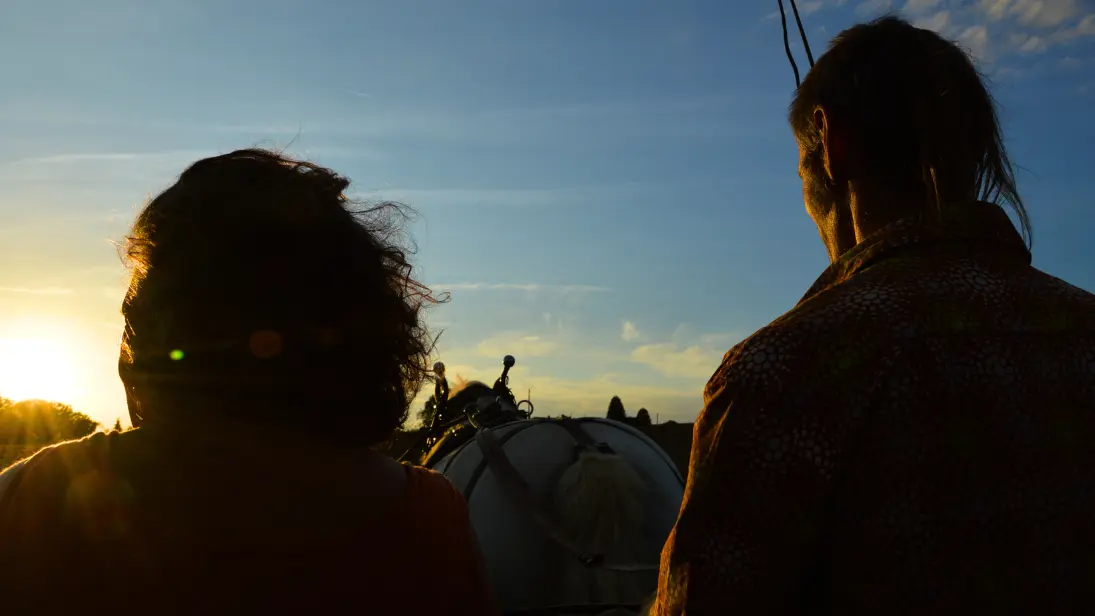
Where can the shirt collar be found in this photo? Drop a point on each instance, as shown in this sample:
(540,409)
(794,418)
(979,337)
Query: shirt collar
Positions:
(976,223)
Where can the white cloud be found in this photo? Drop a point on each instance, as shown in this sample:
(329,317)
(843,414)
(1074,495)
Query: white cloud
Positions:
(629,332)
(670,359)
(992,30)
(1083,28)
(91,157)
(1040,13)
(939,22)
(1033,26)
(682,365)
(976,40)
(1027,44)
(118,168)
(515,343)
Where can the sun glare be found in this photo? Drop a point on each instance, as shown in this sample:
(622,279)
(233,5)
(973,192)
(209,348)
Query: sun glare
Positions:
(37,368)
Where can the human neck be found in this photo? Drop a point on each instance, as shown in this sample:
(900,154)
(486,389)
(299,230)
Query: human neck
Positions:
(873,210)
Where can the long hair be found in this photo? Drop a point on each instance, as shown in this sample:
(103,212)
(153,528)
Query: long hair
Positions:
(259,290)
(915,110)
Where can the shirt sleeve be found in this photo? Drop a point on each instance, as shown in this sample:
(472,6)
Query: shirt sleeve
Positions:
(758,477)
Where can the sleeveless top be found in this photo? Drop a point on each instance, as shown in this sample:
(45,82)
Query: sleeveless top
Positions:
(135,522)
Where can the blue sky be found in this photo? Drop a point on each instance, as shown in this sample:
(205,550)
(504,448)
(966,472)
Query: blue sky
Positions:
(606,188)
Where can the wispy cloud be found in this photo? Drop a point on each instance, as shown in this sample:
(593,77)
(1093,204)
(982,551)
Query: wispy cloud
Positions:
(93,157)
(530,287)
(991,30)
(573,196)
(516,343)
(1040,13)
(994,29)
(939,21)
(76,158)
(670,117)
(37,290)
(628,331)
(687,354)
(694,362)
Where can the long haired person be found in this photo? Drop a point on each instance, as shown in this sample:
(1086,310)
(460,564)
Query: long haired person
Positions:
(273,335)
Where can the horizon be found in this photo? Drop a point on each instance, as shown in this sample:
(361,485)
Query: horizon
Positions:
(608,191)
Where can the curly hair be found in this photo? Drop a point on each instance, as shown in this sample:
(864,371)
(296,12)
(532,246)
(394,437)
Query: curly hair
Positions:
(260,290)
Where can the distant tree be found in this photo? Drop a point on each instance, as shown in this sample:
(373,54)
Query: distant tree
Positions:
(642,418)
(616,410)
(118,424)
(427,412)
(42,422)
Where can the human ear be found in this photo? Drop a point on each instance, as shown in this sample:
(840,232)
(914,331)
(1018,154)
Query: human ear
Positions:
(832,145)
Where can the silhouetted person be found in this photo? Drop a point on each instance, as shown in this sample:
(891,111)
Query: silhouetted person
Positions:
(916,435)
(273,335)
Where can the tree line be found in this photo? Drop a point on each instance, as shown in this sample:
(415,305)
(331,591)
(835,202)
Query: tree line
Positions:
(617,412)
(41,422)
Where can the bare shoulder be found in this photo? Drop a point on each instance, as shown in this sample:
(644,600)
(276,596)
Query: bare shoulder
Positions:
(8,475)
(48,469)
(428,484)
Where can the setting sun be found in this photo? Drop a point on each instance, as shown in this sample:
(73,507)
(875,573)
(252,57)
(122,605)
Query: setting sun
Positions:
(37,367)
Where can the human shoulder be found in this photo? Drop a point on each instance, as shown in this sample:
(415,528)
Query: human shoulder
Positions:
(51,467)
(9,476)
(825,348)
(430,482)
(777,352)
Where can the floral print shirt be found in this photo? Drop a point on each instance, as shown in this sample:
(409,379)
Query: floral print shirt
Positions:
(917,436)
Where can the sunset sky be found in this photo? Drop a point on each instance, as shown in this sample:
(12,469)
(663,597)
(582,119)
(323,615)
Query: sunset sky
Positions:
(607,188)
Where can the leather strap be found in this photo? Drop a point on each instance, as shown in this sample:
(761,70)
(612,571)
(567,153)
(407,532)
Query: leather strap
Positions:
(519,492)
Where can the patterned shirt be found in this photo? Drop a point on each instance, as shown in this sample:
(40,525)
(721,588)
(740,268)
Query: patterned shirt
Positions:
(917,436)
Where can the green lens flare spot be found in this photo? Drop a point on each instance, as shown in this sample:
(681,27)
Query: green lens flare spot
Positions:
(176,355)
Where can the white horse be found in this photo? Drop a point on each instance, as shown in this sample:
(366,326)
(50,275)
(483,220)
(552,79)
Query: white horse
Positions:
(571,514)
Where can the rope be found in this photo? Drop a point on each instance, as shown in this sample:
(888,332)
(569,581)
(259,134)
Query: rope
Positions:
(787,42)
(519,491)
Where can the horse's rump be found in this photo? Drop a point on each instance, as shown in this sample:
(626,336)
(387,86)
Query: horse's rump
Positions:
(621,503)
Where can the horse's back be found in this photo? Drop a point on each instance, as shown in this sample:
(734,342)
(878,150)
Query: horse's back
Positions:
(521,559)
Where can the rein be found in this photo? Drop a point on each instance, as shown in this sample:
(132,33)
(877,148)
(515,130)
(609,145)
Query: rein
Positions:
(519,492)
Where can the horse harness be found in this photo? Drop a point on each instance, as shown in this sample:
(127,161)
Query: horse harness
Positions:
(519,492)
